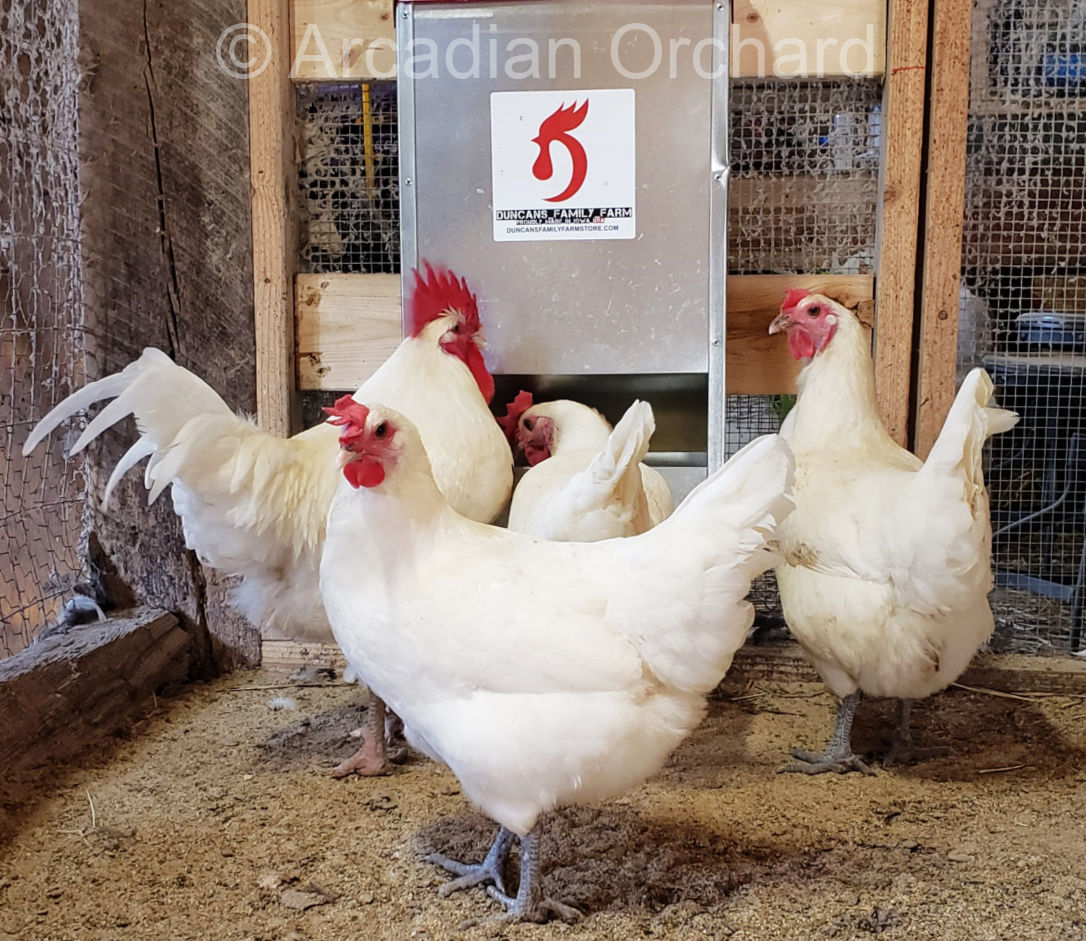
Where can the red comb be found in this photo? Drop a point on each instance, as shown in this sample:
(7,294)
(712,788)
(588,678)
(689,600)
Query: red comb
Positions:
(438,293)
(349,414)
(513,411)
(793,297)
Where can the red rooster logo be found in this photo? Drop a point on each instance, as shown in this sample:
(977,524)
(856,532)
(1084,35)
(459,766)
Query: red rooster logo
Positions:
(555,130)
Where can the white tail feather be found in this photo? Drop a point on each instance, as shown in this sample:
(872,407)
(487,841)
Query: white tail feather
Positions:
(132,457)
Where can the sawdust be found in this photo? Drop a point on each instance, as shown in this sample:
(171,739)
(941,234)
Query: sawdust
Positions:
(215,819)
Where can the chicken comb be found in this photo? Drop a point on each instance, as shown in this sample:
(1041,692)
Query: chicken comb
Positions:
(438,293)
(349,414)
(793,297)
(513,411)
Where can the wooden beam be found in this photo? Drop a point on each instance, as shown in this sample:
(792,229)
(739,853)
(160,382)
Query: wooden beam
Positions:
(72,689)
(943,218)
(895,289)
(356,39)
(808,38)
(342,39)
(271,156)
(348,325)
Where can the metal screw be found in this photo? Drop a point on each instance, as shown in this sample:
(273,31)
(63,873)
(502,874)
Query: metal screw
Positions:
(408,182)
(404,13)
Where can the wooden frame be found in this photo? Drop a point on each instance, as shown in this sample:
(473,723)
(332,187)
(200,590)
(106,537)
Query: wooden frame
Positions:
(271,156)
(351,32)
(899,217)
(943,219)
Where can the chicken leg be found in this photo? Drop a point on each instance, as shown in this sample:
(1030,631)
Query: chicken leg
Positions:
(471,874)
(372,758)
(838,756)
(902,750)
(529,904)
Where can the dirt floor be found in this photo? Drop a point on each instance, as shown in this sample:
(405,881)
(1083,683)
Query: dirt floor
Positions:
(216,819)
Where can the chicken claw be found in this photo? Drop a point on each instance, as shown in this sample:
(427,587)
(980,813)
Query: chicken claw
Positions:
(529,904)
(472,874)
(838,756)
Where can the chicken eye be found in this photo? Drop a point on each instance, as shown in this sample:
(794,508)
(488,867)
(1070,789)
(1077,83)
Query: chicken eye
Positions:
(814,311)
(456,329)
(527,424)
(381,430)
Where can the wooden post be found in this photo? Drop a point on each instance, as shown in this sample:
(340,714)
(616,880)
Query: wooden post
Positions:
(943,218)
(903,127)
(271,155)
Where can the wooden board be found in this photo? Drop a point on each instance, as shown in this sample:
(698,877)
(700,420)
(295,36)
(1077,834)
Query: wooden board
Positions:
(349,324)
(798,38)
(356,39)
(341,39)
(71,690)
(271,148)
(944,200)
(899,217)
(345,319)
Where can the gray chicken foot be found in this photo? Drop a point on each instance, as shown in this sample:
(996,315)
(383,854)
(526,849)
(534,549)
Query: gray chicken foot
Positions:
(372,758)
(529,904)
(902,750)
(838,756)
(472,874)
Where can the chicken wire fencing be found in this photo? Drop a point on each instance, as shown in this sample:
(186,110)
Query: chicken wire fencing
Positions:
(41,311)
(1023,304)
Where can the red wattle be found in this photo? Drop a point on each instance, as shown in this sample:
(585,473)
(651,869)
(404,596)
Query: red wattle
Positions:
(364,472)
(475,362)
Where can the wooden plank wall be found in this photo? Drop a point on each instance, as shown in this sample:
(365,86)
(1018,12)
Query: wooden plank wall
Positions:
(165,233)
(348,324)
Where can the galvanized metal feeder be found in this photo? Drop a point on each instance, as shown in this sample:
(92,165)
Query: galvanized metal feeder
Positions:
(574,158)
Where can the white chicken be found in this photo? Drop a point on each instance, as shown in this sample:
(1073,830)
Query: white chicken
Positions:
(886,565)
(541,673)
(587,481)
(255,505)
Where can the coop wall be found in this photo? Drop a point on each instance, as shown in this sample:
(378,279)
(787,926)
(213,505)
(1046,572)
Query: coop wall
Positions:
(41,312)
(1023,303)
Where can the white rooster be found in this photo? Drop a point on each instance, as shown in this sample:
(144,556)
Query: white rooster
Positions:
(255,505)
(587,481)
(569,671)
(886,558)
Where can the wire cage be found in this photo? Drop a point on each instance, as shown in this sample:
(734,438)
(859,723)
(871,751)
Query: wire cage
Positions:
(1023,304)
(41,312)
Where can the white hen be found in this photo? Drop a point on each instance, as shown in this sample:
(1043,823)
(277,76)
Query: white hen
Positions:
(541,673)
(587,481)
(887,565)
(255,505)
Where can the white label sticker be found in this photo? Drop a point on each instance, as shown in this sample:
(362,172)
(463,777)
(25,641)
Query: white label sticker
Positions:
(563,165)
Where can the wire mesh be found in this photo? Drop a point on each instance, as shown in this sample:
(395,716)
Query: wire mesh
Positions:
(349,178)
(1023,304)
(41,312)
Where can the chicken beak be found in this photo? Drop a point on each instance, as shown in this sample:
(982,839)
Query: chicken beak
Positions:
(781,323)
(344,458)
(480,339)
